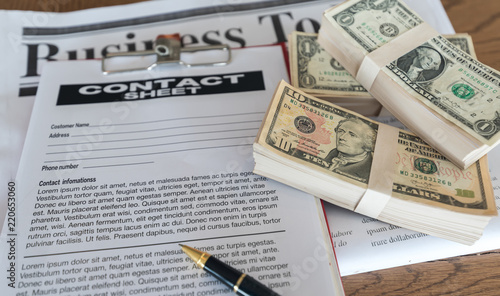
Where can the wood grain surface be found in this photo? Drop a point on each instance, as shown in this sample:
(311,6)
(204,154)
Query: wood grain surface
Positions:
(476,274)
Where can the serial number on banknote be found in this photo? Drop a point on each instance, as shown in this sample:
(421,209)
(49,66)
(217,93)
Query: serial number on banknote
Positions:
(426,178)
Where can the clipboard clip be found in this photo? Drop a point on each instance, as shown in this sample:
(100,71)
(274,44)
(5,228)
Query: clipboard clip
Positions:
(167,49)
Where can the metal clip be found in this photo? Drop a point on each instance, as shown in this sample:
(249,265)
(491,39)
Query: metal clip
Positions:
(168,50)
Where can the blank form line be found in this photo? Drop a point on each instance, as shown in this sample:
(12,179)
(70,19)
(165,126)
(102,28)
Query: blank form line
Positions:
(114,165)
(152,145)
(152,153)
(158,137)
(165,128)
(174,119)
(158,244)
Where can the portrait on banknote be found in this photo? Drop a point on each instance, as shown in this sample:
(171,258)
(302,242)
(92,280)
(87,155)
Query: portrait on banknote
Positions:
(324,136)
(353,154)
(422,64)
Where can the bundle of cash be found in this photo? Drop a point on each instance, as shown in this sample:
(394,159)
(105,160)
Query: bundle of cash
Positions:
(441,93)
(374,169)
(316,72)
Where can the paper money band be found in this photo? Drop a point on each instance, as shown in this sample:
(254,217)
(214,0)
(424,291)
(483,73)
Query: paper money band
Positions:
(397,47)
(381,174)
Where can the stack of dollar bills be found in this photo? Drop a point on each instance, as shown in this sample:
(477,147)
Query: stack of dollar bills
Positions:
(316,72)
(374,169)
(441,93)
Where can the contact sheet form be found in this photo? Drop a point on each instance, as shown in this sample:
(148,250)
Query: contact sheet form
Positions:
(118,170)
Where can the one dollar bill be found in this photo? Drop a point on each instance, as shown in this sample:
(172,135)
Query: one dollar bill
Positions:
(319,138)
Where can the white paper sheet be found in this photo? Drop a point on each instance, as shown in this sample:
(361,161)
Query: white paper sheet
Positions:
(35,37)
(118,170)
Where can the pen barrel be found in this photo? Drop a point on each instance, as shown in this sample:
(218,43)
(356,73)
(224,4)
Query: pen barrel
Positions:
(230,276)
(225,273)
(251,287)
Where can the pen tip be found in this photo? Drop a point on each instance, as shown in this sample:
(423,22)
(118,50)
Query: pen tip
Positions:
(199,257)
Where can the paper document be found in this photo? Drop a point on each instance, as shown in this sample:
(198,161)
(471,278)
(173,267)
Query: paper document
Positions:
(119,170)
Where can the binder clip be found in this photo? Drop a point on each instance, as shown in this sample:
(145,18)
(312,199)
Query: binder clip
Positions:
(167,49)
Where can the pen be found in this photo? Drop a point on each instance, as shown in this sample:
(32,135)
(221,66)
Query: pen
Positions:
(241,283)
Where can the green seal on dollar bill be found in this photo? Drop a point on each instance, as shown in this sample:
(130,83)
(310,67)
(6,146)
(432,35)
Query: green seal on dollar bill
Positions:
(462,91)
(425,166)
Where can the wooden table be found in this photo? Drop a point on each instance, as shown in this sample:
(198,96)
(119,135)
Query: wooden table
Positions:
(477,274)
